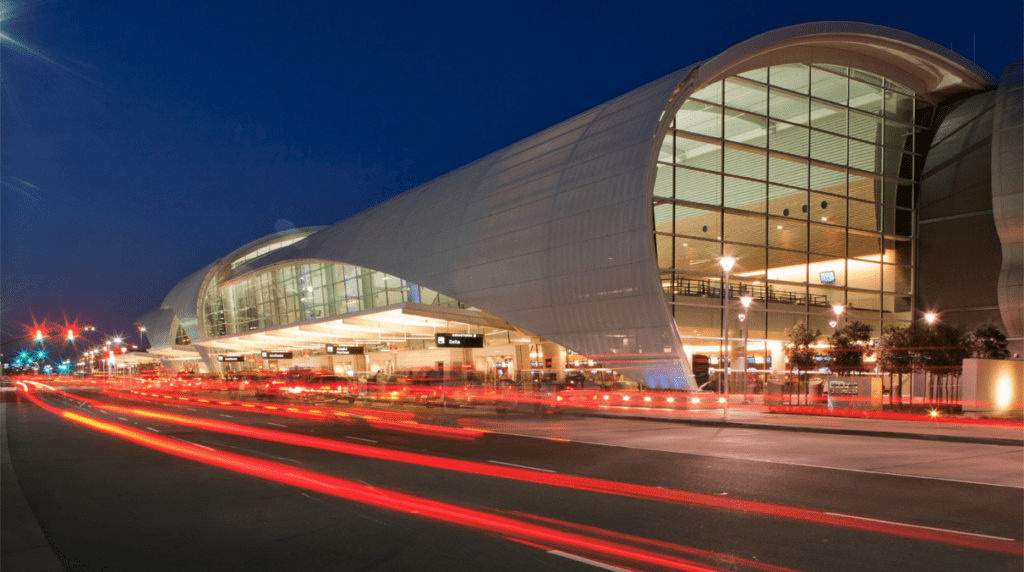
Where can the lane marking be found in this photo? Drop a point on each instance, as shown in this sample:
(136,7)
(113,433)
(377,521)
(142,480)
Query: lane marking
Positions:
(588,561)
(276,424)
(360,439)
(191,443)
(791,463)
(226,415)
(262,454)
(153,430)
(921,526)
(122,419)
(522,467)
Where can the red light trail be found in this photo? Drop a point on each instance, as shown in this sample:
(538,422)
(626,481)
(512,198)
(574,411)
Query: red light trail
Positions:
(910,531)
(386,499)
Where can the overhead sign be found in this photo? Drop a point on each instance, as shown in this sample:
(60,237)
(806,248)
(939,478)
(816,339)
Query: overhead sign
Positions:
(265,354)
(459,340)
(225,358)
(345,350)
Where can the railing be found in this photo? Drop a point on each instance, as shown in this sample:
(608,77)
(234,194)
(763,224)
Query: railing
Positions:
(764,293)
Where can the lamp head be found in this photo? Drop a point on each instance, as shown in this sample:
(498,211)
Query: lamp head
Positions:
(746,299)
(838,309)
(727,262)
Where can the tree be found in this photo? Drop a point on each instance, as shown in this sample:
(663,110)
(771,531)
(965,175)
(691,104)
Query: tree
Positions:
(895,356)
(799,353)
(848,346)
(989,342)
(943,351)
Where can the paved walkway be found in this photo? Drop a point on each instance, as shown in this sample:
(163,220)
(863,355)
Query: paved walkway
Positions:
(947,429)
(891,454)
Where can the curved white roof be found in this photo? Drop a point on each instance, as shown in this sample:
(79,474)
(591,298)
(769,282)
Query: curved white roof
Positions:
(555,233)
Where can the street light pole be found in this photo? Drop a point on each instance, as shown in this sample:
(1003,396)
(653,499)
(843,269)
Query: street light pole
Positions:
(727,263)
(745,299)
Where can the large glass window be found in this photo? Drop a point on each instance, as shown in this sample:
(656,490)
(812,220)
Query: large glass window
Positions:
(300,292)
(805,173)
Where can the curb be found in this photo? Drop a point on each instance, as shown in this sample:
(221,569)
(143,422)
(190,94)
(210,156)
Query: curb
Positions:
(25,546)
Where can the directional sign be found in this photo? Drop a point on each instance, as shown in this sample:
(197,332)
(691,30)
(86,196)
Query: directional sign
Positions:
(459,340)
(345,350)
(270,354)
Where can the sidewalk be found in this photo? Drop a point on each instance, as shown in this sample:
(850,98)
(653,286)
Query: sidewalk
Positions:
(817,420)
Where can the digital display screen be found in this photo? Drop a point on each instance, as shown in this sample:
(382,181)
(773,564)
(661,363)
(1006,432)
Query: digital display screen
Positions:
(828,276)
(266,354)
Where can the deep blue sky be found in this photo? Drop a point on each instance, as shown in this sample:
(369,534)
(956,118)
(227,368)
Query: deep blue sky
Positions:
(142,140)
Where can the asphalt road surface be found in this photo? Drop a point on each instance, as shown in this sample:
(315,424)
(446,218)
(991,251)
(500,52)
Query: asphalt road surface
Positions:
(108,503)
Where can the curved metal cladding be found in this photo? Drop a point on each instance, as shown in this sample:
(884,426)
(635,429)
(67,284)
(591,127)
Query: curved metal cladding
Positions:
(555,233)
(1008,196)
(552,234)
(956,234)
(183,300)
(158,323)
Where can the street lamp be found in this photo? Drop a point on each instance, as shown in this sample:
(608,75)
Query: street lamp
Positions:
(745,299)
(930,317)
(838,309)
(727,262)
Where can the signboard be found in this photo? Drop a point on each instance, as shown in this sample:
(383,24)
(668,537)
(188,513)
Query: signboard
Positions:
(459,340)
(345,350)
(701,367)
(269,354)
(224,358)
(827,277)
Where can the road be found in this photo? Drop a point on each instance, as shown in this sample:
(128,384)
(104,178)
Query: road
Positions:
(553,495)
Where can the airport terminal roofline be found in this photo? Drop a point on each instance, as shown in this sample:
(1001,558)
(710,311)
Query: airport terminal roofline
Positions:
(555,233)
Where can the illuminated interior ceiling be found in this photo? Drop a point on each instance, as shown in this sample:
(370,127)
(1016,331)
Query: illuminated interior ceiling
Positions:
(394,324)
(175,353)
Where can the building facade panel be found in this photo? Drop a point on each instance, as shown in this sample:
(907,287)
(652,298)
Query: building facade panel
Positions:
(1008,198)
(798,151)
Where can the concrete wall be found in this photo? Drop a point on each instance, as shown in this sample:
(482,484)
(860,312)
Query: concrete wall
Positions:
(993,386)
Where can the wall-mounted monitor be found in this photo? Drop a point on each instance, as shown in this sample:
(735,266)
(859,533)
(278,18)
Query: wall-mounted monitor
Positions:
(828,276)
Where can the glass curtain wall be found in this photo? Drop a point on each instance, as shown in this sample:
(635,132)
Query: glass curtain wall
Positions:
(302,292)
(804,173)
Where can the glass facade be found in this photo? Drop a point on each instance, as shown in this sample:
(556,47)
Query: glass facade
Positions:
(296,293)
(805,174)
(264,250)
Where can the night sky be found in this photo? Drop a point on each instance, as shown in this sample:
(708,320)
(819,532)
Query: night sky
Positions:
(143,140)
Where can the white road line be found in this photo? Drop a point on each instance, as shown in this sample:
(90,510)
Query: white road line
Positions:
(122,419)
(196,444)
(153,430)
(276,424)
(265,454)
(360,439)
(753,460)
(920,526)
(226,415)
(587,561)
(522,467)
(191,408)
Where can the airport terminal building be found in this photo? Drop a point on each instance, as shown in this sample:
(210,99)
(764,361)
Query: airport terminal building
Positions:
(840,164)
